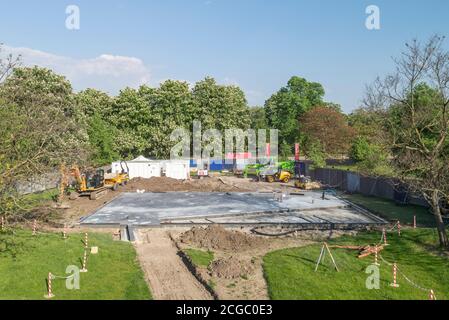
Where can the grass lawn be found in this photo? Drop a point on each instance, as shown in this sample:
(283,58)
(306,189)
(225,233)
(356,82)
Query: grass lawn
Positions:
(290,273)
(391,211)
(200,258)
(26,260)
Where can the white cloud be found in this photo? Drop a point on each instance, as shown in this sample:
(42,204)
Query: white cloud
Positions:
(106,72)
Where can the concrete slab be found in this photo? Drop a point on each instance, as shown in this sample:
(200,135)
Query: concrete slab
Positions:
(153,209)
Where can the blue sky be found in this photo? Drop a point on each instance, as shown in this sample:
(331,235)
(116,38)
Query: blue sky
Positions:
(257,45)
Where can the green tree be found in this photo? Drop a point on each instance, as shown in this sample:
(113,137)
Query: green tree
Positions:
(91,102)
(258,118)
(416,97)
(101,138)
(171,106)
(220,107)
(40,128)
(285,108)
(131,115)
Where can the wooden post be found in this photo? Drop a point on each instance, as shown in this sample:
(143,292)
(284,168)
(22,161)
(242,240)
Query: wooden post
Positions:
(319,258)
(49,294)
(332,257)
(395,271)
(399,228)
(414,222)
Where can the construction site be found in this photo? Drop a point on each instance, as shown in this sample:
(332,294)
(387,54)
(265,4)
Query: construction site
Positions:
(238,218)
(219,150)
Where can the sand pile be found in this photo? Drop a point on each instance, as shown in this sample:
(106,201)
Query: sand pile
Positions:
(231,268)
(218,238)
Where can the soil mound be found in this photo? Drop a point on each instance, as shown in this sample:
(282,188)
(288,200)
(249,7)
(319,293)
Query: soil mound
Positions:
(231,268)
(164,184)
(218,238)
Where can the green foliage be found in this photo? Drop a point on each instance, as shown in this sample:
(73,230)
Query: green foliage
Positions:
(146,117)
(91,102)
(284,108)
(101,138)
(371,158)
(258,118)
(316,154)
(40,127)
(361,149)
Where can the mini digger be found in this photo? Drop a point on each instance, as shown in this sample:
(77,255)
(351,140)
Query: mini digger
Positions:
(95,183)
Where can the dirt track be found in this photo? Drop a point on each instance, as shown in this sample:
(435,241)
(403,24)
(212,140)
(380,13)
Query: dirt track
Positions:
(168,276)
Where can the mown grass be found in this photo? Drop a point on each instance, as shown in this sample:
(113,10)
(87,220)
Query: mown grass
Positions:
(26,260)
(290,273)
(391,211)
(200,258)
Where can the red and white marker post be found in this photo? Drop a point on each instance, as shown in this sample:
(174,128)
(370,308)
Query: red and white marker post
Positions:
(432,295)
(376,252)
(86,240)
(414,222)
(49,294)
(64,232)
(34,227)
(84,269)
(395,272)
(399,228)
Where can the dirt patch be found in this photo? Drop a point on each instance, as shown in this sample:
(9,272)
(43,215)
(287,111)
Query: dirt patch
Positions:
(163,184)
(237,271)
(232,268)
(219,238)
(167,275)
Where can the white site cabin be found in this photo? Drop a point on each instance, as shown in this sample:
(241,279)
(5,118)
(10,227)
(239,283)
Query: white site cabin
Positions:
(142,167)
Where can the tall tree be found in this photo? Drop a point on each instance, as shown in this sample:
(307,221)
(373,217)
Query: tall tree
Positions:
(284,108)
(131,115)
(258,118)
(92,101)
(220,107)
(328,127)
(39,129)
(416,97)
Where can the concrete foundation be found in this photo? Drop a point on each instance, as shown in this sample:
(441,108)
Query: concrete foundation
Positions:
(179,208)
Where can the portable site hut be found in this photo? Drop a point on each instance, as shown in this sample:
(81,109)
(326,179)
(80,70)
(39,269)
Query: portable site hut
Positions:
(140,167)
(176,169)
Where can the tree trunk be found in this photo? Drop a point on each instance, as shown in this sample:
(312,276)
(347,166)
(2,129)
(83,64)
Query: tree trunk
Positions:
(444,242)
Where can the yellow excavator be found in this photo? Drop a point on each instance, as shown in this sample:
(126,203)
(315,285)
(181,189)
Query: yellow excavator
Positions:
(95,183)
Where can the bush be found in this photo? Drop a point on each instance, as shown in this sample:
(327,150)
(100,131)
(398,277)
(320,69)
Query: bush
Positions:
(317,155)
(370,157)
(360,150)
